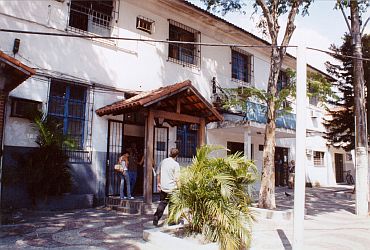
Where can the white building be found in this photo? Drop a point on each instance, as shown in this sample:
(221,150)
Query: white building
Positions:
(77,76)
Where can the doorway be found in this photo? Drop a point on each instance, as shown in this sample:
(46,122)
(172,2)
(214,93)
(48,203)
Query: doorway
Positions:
(281,158)
(338,158)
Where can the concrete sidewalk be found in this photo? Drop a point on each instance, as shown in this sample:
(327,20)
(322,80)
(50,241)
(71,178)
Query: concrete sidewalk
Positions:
(330,223)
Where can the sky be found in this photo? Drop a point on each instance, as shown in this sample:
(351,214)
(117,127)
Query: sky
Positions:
(321,28)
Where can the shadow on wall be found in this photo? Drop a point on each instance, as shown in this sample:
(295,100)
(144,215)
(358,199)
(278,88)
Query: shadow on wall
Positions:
(14,189)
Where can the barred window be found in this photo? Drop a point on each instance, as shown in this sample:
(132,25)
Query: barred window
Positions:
(187,140)
(318,158)
(91,16)
(67,104)
(186,54)
(241,62)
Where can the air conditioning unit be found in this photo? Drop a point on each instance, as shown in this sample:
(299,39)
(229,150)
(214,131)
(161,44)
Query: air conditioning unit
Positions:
(314,114)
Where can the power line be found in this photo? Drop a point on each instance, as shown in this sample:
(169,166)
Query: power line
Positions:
(138,39)
(170,42)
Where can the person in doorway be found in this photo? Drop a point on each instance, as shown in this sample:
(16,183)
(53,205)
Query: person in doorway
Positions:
(168,173)
(291,174)
(285,174)
(132,166)
(123,174)
(278,170)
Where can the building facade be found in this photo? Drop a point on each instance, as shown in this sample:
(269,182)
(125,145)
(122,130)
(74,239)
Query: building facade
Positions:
(76,76)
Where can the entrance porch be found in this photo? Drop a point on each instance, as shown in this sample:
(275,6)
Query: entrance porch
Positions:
(178,106)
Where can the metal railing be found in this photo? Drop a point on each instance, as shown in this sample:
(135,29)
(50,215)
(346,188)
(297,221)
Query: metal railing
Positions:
(257,112)
(85,19)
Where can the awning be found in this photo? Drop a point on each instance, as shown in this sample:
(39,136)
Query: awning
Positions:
(12,72)
(167,99)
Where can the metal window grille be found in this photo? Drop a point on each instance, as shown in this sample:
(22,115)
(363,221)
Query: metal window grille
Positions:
(241,66)
(318,158)
(186,142)
(92,16)
(185,54)
(145,24)
(71,105)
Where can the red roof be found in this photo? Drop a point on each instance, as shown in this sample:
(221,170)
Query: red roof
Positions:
(191,101)
(15,71)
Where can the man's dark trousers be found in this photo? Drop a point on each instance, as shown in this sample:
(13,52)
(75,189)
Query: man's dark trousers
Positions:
(164,200)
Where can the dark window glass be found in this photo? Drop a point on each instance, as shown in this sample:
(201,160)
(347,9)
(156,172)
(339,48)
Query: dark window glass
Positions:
(240,66)
(182,52)
(67,104)
(187,140)
(92,16)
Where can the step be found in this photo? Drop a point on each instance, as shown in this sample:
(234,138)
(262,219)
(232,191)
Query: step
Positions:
(122,209)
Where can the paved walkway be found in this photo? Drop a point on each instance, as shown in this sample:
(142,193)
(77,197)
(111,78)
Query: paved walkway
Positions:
(329,224)
(82,229)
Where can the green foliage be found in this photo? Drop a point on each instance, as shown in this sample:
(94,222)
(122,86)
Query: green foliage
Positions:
(45,170)
(318,86)
(341,127)
(213,197)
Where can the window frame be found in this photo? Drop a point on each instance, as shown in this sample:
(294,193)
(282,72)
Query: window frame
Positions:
(67,117)
(91,17)
(179,49)
(186,134)
(246,79)
(318,158)
(16,100)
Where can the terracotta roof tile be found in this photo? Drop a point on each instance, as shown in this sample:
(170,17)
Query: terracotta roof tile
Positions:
(148,98)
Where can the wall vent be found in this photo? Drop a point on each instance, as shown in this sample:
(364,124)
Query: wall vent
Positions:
(145,24)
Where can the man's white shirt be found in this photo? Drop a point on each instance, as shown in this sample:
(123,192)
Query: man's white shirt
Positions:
(169,170)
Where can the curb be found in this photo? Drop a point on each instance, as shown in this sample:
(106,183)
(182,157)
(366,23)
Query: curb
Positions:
(164,241)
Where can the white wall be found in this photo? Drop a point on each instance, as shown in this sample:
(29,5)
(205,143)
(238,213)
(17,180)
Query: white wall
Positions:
(129,65)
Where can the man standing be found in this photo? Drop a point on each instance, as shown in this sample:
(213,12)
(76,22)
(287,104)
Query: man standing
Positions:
(167,178)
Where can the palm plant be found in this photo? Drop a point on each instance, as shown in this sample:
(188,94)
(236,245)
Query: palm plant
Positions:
(213,197)
(45,170)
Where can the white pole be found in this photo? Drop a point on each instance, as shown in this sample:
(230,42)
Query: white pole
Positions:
(300,169)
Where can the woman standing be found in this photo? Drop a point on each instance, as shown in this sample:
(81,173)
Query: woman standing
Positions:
(123,174)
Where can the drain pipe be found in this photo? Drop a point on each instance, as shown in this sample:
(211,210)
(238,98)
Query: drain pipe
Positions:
(2,148)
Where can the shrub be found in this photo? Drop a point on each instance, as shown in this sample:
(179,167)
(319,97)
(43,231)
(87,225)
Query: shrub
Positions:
(45,170)
(213,197)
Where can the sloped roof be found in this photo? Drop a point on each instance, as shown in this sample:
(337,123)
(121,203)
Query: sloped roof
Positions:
(165,98)
(15,71)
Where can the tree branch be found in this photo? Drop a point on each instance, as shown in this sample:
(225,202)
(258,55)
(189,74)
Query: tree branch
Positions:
(363,28)
(345,18)
(290,27)
(269,18)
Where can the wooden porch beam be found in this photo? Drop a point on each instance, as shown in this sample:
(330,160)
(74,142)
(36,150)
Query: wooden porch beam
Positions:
(148,176)
(202,133)
(176,117)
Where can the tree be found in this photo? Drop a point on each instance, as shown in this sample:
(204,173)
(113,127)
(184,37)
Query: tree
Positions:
(341,127)
(271,11)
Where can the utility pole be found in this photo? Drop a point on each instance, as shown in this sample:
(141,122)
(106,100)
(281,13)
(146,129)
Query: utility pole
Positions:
(361,147)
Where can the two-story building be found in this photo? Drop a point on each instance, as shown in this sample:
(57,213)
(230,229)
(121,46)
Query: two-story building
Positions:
(110,75)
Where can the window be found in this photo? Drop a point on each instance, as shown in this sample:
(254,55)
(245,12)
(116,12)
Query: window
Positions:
(283,81)
(67,104)
(186,54)
(187,140)
(318,158)
(24,108)
(144,24)
(91,16)
(241,69)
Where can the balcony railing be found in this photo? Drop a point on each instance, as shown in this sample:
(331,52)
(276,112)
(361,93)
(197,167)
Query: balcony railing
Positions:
(257,112)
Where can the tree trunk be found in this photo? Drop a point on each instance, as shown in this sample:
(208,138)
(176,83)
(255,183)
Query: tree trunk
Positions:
(267,191)
(360,113)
